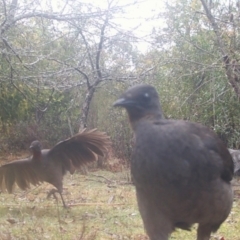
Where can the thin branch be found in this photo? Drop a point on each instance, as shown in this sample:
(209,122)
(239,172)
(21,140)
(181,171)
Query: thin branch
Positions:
(215,29)
(9,47)
(65,18)
(87,46)
(232,77)
(100,46)
(9,18)
(75,68)
(24,95)
(5,13)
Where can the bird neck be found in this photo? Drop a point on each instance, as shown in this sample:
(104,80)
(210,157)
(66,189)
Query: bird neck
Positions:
(135,119)
(37,155)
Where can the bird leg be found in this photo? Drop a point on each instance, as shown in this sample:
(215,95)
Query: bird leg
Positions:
(52,192)
(203,232)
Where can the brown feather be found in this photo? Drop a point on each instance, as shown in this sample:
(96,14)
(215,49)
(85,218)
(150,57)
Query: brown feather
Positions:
(50,165)
(22,172)
(181,170)
(81,149)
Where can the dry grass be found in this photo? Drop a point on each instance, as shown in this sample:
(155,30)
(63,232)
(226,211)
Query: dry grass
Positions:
(103,206)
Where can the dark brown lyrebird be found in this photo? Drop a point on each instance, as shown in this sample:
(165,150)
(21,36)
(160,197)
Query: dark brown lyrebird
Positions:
(50,165)
(181,170)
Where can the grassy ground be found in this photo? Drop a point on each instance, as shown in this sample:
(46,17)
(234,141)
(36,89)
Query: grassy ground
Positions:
(103,206)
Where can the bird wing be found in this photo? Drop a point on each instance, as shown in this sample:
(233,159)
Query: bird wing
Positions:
(20,172)
(221,158)
(180,150)
(80,149)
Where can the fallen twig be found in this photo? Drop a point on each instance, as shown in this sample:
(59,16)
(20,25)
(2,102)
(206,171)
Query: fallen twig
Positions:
(102,177)
(97,204)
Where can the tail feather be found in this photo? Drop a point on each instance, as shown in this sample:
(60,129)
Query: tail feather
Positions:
(21,173)
(81,149)
(7,180)
(22,183)
(72,153)
(98,142)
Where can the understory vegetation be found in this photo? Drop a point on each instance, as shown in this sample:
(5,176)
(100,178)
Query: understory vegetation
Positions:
(62,65)
(102,205)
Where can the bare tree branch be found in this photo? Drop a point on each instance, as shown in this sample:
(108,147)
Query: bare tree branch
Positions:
(233,78)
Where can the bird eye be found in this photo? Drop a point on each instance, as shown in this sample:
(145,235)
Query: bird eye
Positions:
(146,98)
(146,95)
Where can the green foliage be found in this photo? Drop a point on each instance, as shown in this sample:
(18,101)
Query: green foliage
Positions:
(14,105)
(23,120)
(113,121)
(184,65)
(189,73)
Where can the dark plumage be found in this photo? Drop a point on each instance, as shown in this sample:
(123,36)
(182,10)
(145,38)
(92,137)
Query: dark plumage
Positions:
(181,170)
(236,160)
(50,165)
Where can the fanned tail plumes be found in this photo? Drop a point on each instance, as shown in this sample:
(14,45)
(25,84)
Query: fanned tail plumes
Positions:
(49,165)
(22,172)
(83,148)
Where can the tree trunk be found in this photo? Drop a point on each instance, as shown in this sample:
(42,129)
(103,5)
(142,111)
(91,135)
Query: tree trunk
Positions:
(85,107)
(233,76)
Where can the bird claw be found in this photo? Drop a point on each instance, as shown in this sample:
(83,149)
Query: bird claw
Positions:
(66,206)
(52,192)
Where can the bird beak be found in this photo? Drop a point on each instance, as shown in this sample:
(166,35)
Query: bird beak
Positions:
(120,102)
(123,102)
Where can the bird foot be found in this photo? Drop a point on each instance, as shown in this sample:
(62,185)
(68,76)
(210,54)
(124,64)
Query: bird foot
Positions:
(66,206)
(52,192)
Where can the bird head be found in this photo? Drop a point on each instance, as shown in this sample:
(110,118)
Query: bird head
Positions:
(140,101)
(36,146)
